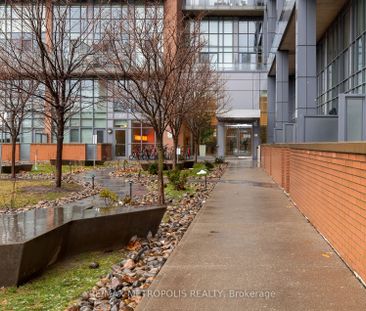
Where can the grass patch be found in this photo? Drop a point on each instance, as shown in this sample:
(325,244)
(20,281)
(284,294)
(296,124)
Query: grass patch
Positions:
(166,218)
(172,193)
(29,192)
(61,284)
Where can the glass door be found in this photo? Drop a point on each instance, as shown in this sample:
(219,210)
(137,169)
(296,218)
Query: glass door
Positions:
(120,140)
(245,141)
(231,141)
(238,141)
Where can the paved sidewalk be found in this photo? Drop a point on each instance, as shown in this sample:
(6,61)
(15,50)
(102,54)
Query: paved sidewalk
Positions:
(249,240)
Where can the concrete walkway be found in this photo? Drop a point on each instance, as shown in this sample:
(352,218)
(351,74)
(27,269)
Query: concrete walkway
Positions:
(250,249)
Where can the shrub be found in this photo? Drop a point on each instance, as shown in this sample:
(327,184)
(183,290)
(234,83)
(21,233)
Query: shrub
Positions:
(219,160)
(153,168)
(109,196)
(208,165)
(198,167)
(178,179)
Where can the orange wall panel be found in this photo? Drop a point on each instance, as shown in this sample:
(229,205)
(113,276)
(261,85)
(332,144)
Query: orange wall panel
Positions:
(44,152)
(6,152)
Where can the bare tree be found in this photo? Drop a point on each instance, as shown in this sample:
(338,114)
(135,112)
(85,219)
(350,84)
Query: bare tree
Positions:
(56,54)
(147,57)
(182,105)
(207,98)
(15,97)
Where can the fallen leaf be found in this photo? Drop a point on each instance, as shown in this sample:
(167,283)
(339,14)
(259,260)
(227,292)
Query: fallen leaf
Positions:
(128,279)
(134,245)
(327,254)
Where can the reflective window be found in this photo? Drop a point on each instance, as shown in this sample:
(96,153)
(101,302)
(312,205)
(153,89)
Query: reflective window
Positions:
(232,43)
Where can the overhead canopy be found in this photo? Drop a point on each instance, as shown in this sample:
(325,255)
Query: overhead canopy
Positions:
(237,115)
(326,12)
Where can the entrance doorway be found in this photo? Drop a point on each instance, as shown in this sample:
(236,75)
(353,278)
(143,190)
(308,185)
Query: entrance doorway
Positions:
(239,140)
(120,146)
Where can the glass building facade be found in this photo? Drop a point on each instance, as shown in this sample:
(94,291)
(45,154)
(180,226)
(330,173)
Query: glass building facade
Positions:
(233,43)
(341,57)
(98,112)
(234,46)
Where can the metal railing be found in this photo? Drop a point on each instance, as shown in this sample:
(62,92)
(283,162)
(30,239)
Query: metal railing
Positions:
(220,4)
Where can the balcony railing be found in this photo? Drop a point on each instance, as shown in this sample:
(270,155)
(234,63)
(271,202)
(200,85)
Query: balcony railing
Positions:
(221,4)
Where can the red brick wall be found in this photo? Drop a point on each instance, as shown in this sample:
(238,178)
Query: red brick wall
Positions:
(46,152)
(6,152)
(330,189)
(275,162)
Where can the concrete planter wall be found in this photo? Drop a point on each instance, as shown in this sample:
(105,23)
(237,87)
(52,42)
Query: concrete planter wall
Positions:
(6,169)
(33,240)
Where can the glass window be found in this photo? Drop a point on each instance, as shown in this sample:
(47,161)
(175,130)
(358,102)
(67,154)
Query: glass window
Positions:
(121,123)
(223,44)
(214,26)
(100,123)
(87,136)
(228,26)
(74,135)
(75,122)
(86,122)
(213,40)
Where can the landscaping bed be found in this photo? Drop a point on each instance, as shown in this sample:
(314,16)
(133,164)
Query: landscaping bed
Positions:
(60,284)
(123,288)
(24,194)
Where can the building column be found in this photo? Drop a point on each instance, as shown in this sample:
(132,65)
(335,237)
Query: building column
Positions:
(265,36)
(271,109)
(305,64)
(220,140)
(255,139)
(279,8)
(282,94)
(271,24)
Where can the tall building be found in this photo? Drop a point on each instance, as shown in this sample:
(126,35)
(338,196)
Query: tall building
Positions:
(233,30)
(315,55)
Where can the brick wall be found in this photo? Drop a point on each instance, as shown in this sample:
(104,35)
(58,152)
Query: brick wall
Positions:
(330,189)
(6,152)
(44,152)
(275,162)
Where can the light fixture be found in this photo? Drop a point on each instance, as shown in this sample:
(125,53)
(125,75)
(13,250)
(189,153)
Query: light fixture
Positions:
(109,131)
(140,138)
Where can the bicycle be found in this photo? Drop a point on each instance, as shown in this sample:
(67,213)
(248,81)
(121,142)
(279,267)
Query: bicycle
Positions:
(135,155)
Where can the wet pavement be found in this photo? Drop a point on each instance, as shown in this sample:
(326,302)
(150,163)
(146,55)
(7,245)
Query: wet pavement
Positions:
(104,180)
(249,248)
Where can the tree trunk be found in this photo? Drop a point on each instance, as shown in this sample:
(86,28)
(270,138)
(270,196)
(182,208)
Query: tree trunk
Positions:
(59,149)
(175,156)
(13,154)
(196,148)
(160,146)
